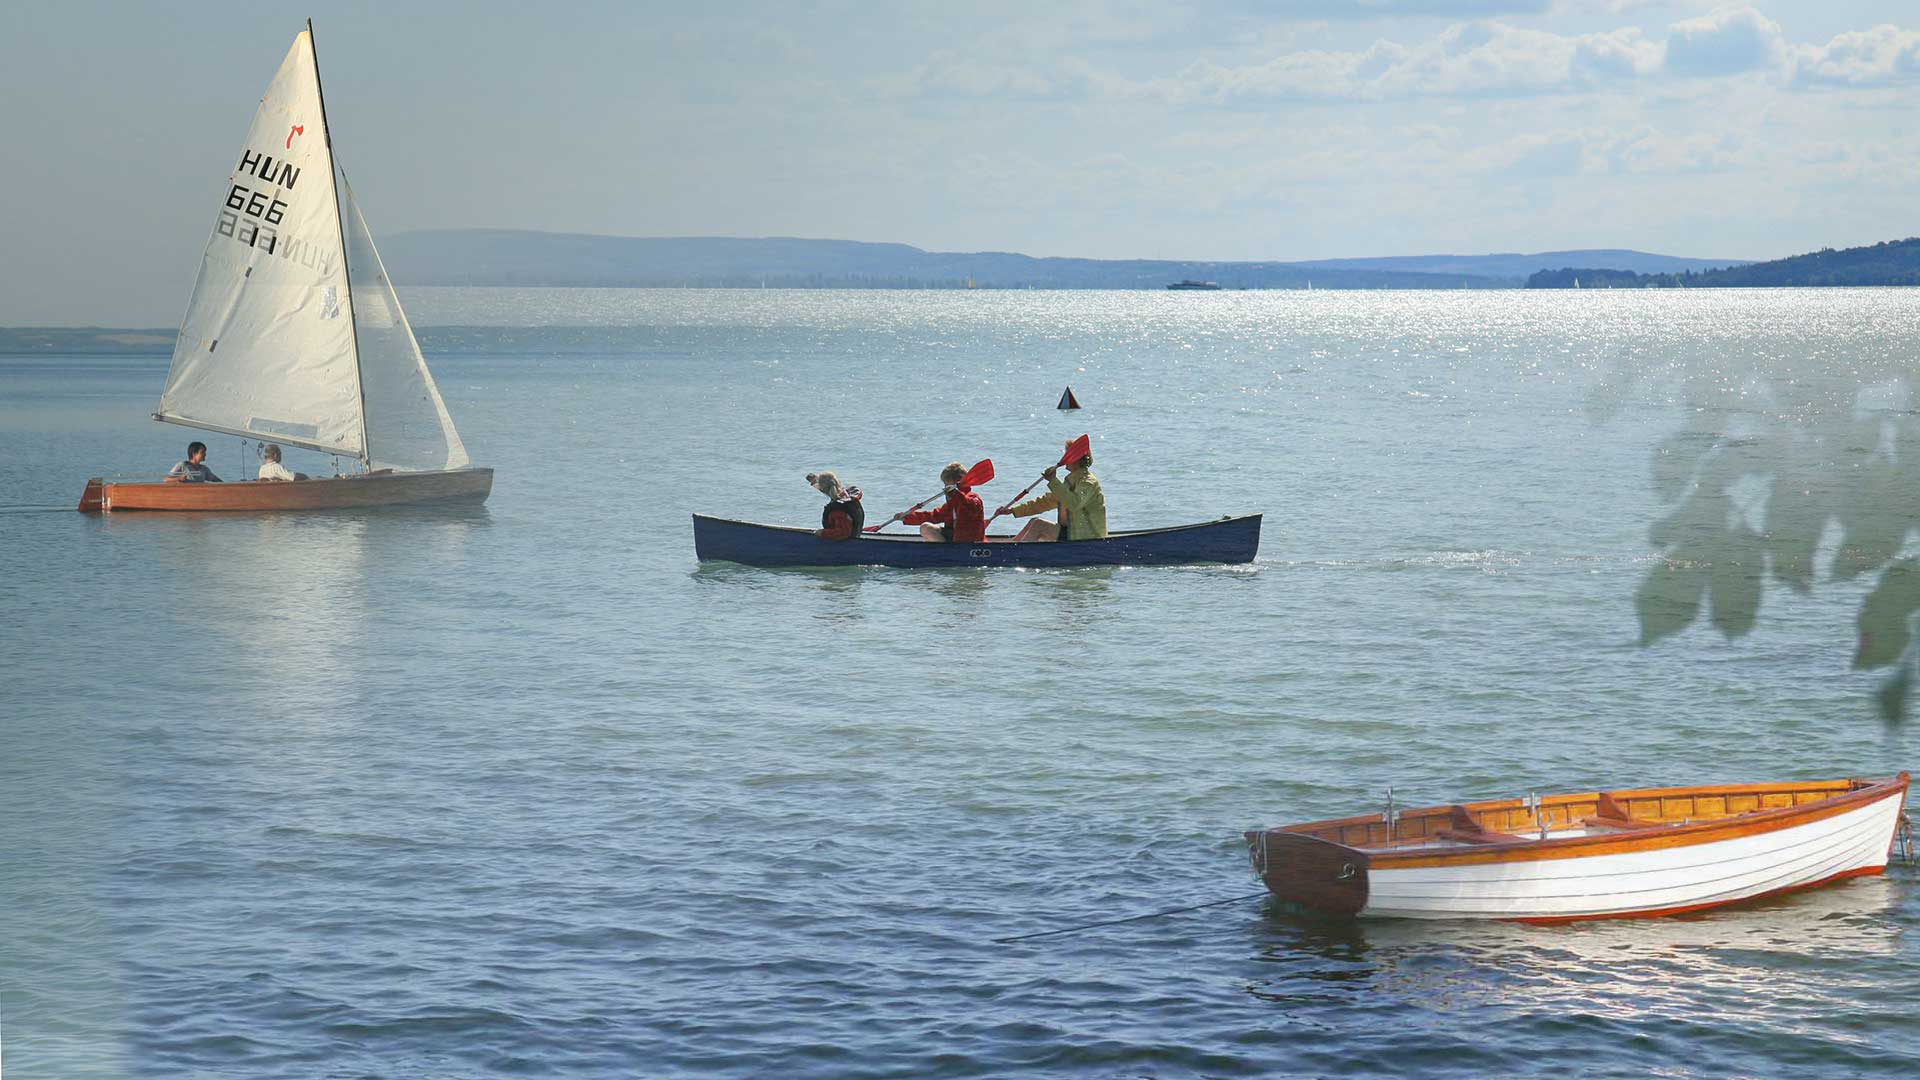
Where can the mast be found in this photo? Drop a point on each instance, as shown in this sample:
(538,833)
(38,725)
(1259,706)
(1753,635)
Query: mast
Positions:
(346,265)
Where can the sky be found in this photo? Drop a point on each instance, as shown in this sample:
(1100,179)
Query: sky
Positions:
(1231,130)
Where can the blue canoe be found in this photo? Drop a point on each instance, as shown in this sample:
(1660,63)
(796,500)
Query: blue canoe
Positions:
(1228,540)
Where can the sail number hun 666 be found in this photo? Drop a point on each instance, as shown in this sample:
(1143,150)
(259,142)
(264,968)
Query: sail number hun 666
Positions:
(250,216)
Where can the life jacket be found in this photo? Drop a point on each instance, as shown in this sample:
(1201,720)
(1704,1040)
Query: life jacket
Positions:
(851,508)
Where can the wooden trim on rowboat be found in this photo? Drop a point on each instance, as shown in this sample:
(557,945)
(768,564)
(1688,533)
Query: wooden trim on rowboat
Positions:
(1324,877)
(1405,851)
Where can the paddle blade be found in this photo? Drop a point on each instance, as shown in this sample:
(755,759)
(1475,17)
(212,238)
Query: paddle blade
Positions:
(1077,449)
(979,474)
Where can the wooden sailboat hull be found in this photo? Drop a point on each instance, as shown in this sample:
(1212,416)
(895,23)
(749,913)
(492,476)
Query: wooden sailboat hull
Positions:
(1623,854)
(331,493)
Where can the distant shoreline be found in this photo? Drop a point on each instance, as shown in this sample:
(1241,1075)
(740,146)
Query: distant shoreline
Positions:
(85,341)
(509,257)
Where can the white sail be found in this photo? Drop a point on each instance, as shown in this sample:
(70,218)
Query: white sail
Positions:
(266,349)
(407,426)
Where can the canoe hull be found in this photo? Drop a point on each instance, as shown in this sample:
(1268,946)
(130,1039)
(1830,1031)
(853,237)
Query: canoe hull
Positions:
(1644,867)
(1229,540)
(253,496)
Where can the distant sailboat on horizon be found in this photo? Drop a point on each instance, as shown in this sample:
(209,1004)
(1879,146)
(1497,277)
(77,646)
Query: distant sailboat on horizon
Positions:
(294,335)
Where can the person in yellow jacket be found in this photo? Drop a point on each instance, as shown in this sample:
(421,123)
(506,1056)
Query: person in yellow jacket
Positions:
(1082,506)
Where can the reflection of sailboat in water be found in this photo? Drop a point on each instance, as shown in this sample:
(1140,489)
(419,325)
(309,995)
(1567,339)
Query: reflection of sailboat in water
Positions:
(295,335)
(295,606)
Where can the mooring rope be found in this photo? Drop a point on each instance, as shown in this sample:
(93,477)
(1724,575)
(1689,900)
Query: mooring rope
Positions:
(1128,919)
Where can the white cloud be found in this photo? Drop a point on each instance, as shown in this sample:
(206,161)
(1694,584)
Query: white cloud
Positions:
(1640,151)
(1727,42)
(1380,9)
(1487,59)
(1623,7)
(1622,54)
(1466,60)
(1544,155)
(1645,151)
(1876,57)
(947,74)
(1821,152)
(950,74)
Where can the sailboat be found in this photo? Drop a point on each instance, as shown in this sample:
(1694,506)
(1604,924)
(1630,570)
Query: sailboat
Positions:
(294,335)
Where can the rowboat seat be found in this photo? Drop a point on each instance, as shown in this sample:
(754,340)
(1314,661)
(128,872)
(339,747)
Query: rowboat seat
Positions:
(1620,824)
(1463,827)
(1612,815)
(1480,836)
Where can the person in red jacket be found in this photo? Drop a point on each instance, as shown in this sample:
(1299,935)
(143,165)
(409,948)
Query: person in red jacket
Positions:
(962,520)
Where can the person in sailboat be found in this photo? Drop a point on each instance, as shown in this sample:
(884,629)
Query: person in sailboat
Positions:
(843,516)
(193,470)
(962,519)
(270,467)
(1081,504)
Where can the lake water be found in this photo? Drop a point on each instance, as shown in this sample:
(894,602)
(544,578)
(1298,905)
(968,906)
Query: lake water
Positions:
(527,790)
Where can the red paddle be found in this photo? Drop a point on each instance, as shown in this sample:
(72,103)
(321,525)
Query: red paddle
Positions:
(1076,450)
(976,476)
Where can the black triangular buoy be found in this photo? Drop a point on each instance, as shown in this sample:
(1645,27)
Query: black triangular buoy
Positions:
(1067,400)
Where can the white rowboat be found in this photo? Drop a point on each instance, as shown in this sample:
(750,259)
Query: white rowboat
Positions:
(1596,855)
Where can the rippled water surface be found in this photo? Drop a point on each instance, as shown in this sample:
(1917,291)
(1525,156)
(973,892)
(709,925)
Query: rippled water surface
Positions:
(527,790)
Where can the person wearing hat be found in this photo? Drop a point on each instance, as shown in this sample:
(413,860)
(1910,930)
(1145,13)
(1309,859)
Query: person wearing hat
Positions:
(843,516)
(1082,506)
(961,519)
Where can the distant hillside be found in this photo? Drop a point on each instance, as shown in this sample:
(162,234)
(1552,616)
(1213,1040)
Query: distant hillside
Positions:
(508,257)
(1587,277)
(1891,262)
(1519,266)
(84,341)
